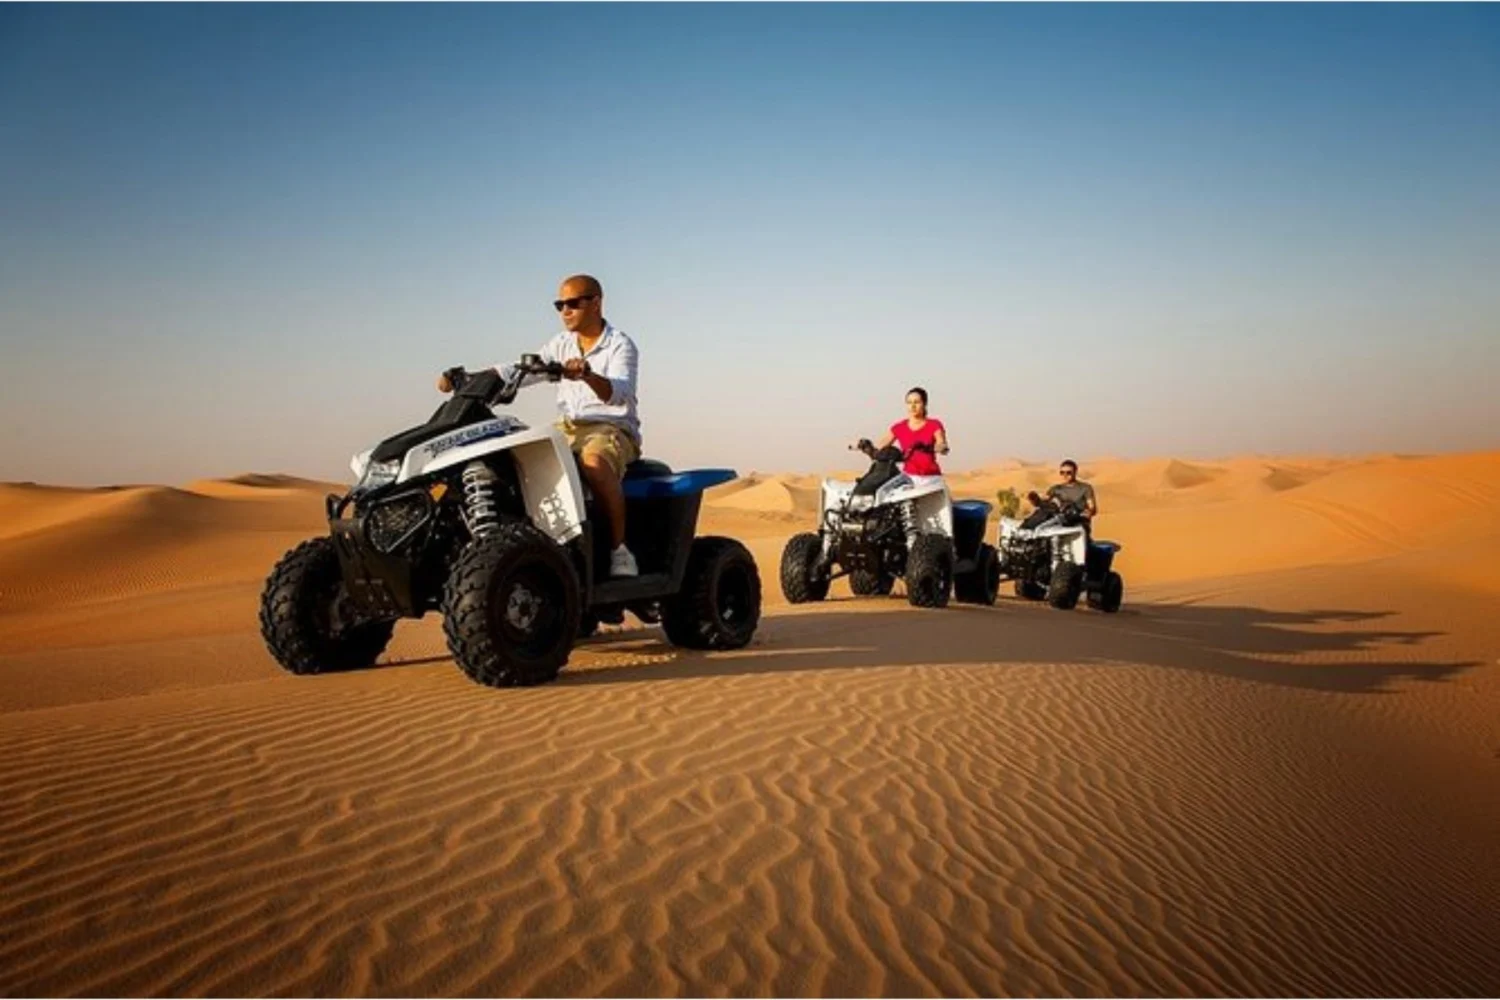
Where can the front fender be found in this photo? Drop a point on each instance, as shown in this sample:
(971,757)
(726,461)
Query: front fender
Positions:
(544,463)
(931,499)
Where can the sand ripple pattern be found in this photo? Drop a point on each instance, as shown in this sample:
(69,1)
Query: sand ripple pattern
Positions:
(660,824)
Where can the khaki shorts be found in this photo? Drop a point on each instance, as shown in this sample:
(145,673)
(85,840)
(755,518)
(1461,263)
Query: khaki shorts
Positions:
(609,442)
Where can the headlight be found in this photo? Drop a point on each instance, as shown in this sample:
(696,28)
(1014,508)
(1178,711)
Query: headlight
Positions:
(378,474)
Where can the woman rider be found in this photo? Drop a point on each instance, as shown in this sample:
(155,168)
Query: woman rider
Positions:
(922,438)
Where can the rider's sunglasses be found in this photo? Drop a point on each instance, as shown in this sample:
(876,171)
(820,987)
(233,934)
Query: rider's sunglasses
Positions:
(1067,472)
(573,303)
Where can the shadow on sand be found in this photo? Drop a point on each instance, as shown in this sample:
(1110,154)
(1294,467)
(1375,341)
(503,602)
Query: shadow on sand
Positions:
(1314,650)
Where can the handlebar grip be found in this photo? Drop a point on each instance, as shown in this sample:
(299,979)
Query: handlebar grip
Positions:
(532,364)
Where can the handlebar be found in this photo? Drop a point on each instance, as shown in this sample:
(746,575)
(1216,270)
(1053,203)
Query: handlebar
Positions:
(1076,507)
(532,364)
(866,446)
(492,388)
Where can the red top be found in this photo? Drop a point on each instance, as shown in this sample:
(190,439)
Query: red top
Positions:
(918,463)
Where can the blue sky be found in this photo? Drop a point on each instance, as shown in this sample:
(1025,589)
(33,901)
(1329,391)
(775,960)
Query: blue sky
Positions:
(246,237)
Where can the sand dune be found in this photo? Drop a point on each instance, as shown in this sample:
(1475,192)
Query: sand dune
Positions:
(776,495)
(110,543)
(262,487)
(771,496)
(1271,773)
(1359,512)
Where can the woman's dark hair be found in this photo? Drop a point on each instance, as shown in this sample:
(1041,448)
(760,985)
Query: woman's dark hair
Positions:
(919,391)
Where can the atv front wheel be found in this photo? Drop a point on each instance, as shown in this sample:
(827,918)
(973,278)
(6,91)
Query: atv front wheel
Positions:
(510,610)
(870,583)
(929,571)
(305,618)
(981,585)
(801,580)
(1066,586)
(719,604)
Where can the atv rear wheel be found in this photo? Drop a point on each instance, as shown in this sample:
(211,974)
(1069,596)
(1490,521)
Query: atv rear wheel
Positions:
(305,617)
(1108,597)
(929,571)
(1066,586)
(981,585)
(719,604)
(870,583)
(801,580)
(511,608)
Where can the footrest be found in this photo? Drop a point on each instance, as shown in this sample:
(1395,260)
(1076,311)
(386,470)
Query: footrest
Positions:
(620,590)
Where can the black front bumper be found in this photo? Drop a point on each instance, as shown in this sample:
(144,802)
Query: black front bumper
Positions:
(379,585)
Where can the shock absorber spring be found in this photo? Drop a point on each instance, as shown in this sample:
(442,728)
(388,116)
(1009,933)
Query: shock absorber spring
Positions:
(909,518)
(481,509)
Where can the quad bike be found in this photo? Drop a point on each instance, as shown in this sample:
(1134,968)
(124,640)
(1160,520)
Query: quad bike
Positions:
(1052,555)
(489,522)
(888,526)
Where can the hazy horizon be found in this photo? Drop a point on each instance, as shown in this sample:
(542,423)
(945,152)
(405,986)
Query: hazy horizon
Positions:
(246,239)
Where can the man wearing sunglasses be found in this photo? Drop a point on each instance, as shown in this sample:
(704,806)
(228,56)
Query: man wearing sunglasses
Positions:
(596,402)
(1071,492)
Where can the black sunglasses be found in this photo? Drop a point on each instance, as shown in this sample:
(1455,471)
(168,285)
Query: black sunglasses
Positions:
(573,303)
(1067,472)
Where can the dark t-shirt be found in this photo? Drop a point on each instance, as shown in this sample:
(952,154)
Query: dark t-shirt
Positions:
(1076,493)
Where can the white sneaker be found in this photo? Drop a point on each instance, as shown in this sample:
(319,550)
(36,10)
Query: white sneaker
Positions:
(622,563)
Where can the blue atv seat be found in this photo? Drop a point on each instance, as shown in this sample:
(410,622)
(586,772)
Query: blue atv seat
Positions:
(965,509)
(649,480)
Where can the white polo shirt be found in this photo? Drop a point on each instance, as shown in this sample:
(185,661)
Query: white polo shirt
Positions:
(613,357)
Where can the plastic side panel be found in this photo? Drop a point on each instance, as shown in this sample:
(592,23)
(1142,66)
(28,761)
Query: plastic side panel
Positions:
(935,512)
(422,460)
(904,488)
(549,476)
(835,492)
(549,483)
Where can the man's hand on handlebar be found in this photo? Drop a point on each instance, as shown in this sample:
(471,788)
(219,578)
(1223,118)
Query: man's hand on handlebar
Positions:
(575,368)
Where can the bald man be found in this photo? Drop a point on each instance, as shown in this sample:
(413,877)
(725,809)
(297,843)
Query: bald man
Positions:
(596,402)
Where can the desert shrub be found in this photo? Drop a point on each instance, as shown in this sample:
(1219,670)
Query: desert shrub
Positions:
(1008,502)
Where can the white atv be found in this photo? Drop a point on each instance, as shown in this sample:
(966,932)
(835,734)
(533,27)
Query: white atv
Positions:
(889,525)
(1051,555)
(489,521)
